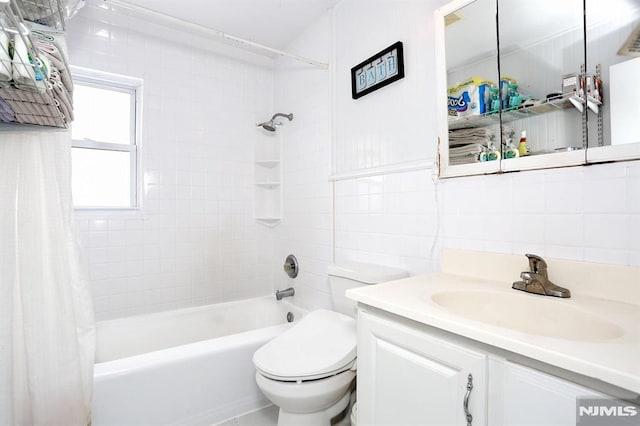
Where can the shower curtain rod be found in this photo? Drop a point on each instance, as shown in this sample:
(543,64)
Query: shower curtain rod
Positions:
(214,32)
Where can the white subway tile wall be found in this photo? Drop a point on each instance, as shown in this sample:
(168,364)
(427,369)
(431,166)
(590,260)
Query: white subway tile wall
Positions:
(593,216)
(194,240)
(306,230)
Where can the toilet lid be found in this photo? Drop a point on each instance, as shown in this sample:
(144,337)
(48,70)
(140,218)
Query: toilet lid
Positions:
(321,344)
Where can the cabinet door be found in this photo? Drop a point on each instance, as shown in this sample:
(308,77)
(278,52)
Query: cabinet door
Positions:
(466,54)
(521,396)
(541,57)
(407,376)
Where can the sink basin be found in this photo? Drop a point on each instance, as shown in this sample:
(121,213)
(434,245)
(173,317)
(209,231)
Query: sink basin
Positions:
(527,313)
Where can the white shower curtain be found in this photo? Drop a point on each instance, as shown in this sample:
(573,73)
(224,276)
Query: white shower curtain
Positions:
(47,330)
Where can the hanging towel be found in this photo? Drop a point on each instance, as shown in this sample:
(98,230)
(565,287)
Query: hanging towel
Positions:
(6,69)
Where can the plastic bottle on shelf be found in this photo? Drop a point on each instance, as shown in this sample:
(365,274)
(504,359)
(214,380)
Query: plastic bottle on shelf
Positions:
(494,99)
(523,148)
(513,96)
(509,151)
(492,153)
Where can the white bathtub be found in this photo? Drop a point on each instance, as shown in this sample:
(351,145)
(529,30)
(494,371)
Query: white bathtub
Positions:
(188,367)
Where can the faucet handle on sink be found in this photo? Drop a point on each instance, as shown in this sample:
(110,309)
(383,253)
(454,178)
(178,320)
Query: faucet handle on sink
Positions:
(537,264)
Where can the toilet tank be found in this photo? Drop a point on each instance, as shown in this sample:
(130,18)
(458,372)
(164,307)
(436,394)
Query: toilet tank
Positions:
(346,275)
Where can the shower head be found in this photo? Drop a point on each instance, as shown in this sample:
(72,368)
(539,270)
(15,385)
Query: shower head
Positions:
(271,124)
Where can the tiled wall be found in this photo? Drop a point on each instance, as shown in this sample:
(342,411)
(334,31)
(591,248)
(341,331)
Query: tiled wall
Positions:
(389,219)
(306,230)
(582,213)
(194,240)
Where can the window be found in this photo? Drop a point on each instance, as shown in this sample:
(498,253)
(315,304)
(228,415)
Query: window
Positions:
(104,149)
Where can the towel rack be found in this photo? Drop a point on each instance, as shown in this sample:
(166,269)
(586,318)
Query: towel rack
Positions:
(31,91)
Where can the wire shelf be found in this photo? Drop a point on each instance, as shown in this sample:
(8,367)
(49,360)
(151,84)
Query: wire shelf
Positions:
(33,89)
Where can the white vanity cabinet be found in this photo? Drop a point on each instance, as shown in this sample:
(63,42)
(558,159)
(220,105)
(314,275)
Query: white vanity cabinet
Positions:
(520,396)
(407,376)
(413,374)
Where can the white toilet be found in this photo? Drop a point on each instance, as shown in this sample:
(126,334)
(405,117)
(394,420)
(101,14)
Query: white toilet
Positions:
(309,370)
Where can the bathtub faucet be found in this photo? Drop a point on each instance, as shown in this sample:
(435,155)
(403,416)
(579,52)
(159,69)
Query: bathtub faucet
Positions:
(287,292)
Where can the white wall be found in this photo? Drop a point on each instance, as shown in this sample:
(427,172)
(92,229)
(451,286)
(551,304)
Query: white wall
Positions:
(584,213)
(394,124)
(306,230)
(194,240)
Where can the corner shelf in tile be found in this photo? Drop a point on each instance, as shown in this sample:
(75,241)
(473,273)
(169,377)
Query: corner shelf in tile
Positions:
(268,185)
(268,163)
(269,221)
(267,182)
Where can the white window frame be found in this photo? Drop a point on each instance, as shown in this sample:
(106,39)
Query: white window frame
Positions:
(125,84)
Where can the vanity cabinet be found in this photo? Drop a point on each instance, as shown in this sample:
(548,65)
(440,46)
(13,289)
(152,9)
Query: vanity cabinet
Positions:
(413,374)
(553,77)
(409,377)
(519,395)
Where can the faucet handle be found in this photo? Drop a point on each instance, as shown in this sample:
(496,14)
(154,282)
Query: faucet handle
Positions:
(536,263)
(526,277)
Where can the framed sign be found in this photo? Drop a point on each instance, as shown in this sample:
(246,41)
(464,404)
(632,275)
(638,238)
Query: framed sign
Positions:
(381,69)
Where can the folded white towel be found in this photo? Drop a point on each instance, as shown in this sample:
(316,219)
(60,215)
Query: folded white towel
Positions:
(56,58)
(5,59)
(59,42)
(6,112)
(62,97)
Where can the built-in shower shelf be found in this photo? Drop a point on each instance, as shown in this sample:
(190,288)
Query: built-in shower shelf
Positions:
(269,221)
(267,181)
(268,163)
(269,185)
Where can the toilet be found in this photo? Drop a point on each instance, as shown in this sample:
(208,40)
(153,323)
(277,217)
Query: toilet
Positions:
(309,370)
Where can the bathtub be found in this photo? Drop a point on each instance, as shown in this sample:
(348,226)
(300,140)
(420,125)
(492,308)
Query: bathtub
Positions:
(188,367)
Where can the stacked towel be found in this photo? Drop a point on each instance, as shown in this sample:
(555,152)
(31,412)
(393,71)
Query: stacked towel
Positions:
(42,85)
(6,113)
(465,154)
(465,145)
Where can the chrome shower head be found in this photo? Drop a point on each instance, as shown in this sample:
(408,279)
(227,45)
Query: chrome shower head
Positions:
(271,124)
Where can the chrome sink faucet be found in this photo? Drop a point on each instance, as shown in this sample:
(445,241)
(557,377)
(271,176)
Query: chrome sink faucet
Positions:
(537,281)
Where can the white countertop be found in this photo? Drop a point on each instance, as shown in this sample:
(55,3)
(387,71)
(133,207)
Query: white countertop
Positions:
(615,360)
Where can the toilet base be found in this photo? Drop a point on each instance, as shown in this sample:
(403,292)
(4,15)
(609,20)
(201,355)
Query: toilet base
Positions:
(319,418)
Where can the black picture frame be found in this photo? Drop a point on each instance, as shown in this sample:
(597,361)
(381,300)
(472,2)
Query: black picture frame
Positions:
(359,88)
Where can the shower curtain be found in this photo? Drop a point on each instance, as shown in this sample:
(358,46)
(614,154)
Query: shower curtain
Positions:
(47,330)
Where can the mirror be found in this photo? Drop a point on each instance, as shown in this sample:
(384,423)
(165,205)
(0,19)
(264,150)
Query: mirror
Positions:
(541,55)
(513,74)
(471,76)
(613,54)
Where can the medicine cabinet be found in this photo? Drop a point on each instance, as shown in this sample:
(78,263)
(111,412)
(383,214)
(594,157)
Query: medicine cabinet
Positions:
(558,76)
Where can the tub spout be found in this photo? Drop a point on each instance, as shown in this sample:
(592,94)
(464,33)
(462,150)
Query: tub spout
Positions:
(288,292)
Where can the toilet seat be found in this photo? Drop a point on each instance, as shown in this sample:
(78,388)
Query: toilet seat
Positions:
(322,344)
